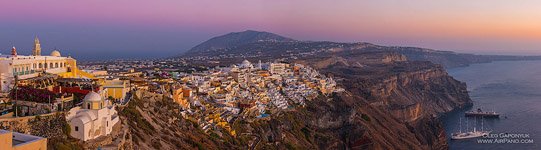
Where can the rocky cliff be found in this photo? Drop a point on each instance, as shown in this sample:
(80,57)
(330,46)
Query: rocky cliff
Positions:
(52,126)
(402,100)
(414,93)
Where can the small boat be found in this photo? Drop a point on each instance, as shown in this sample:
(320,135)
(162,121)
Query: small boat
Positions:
(468,135)
(471,134)
(481,113)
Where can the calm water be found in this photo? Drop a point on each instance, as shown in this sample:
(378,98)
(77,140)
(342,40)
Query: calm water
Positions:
(512,88)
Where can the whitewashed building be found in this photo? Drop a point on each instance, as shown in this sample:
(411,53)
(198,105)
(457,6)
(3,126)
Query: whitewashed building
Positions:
(95,118)
(24,67)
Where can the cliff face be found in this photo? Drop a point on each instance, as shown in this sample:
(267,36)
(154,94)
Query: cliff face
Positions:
(401,98)
(414,93)
(409,95)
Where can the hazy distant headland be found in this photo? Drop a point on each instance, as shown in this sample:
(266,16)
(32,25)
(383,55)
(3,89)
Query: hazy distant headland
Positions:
(260,44)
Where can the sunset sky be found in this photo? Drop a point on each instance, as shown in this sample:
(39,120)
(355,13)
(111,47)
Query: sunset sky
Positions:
(159,28)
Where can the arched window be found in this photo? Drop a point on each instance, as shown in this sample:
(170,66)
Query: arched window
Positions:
(56,65)
(60,65)
(51,65)
(40,65)
(88,105)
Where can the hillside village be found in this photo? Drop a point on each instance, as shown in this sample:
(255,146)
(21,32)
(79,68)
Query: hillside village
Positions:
(90,101)
(223,94)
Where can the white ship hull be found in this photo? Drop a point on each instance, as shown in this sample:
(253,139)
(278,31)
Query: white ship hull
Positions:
(468,135)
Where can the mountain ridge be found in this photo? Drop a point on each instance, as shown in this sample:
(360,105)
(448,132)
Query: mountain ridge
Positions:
(263,44)
(233,39)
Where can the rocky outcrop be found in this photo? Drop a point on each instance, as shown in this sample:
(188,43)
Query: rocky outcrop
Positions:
(154,122)
(408,95)
(52,126)
(413,93)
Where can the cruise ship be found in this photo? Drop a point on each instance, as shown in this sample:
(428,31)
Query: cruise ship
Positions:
(481,113)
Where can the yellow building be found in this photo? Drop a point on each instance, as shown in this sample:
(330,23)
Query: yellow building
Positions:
(116,88)
(18,141)
(25,67)
(181,95)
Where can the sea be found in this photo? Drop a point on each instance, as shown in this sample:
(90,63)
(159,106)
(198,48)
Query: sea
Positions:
(512,88)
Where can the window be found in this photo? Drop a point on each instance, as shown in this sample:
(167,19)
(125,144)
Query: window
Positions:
(40,65)
(76,128)
(88,105)
(107,123)
(51,65)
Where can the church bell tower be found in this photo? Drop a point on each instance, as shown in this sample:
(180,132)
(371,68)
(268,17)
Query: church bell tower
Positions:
(37,47)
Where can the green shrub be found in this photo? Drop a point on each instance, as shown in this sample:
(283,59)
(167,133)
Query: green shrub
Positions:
(290,146)
(306,132)
(66,129)
(61,146)
(365,117)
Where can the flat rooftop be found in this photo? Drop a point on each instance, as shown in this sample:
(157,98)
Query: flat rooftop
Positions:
(21,139)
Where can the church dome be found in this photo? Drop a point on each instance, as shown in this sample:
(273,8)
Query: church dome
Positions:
(92,97)
(55,53)
(246,64)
